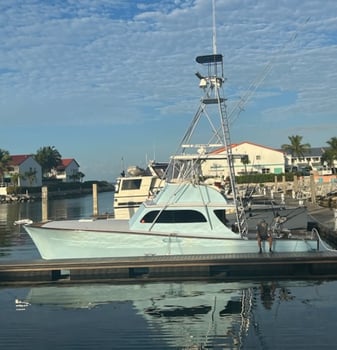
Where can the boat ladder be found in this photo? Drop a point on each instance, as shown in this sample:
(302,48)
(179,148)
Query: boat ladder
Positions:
(241,219)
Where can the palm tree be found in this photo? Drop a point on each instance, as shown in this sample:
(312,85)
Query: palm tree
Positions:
(4,162)
(31,176)
(296,148)
(330,154)
(245,161)
(49,158)
(333,145)
(15,181)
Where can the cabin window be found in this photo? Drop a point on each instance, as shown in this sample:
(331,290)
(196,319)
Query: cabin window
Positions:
(133,184)
(221,215)
(174,216)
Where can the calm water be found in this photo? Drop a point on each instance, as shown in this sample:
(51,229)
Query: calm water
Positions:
(190,315)
(16,244)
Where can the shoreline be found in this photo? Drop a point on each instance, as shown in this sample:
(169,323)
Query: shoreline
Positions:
(53,194)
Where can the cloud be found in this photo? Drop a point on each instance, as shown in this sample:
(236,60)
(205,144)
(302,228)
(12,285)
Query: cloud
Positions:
(114,62)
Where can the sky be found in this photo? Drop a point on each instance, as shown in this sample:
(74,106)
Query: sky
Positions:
(111,83)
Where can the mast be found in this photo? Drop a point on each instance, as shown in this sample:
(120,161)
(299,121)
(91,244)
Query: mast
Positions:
(213,111)
(214,28)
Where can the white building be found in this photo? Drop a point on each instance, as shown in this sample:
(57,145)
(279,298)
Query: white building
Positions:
(248,158)
(311,160)
(25,171)
(68,170)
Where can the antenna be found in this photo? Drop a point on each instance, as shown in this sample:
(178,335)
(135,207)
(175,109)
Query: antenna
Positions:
(214,29)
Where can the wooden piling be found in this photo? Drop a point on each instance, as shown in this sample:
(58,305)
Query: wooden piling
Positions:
(312,189)
(94,200)
(275,182)
(284,184)
(44,196)
(295,184)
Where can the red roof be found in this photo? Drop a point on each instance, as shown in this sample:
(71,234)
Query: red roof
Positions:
(19,159)
(66,161)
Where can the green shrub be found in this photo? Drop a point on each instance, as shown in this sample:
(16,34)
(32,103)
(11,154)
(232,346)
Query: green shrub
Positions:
(262,178)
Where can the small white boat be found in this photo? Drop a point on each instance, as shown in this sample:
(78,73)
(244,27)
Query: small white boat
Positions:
(188,215)
(137,186)
(23,222)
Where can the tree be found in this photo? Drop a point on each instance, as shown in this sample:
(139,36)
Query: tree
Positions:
(49,158)
(4,162)
(245,161)
(77,176)
(15,181)
(296,147)
(30,175)
(330,154)
(333,146)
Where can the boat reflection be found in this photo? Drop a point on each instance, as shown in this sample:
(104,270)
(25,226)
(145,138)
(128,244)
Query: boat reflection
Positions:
(187,315)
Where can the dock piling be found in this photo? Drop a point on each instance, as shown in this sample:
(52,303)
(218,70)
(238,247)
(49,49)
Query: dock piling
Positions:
(94,200)
(44,203)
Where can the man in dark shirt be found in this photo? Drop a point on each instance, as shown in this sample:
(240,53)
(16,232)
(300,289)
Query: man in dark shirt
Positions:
(263,234)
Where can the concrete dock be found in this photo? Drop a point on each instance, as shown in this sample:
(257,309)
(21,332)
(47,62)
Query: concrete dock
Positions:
(225,267)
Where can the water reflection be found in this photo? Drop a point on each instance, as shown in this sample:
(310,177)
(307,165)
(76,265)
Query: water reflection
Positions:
(252,315)
(186,315)
(271,292)
(192,315)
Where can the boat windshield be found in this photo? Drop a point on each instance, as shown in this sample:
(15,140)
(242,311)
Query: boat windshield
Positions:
(173,216)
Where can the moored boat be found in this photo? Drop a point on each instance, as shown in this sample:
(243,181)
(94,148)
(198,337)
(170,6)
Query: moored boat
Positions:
(136,186)
(189,215)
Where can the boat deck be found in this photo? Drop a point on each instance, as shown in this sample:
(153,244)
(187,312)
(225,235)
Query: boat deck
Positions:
(226,267)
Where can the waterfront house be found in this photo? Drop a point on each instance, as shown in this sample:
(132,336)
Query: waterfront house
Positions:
(311,160)
(68,170)
(24,171)
(248,158)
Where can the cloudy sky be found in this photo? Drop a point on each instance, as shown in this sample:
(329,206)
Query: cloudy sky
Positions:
(111,82)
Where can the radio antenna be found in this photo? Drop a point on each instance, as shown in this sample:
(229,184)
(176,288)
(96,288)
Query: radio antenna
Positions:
(214,28)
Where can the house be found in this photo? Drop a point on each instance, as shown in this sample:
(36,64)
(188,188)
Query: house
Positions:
(248,158)
(68,170)
(24,171)
(311,160)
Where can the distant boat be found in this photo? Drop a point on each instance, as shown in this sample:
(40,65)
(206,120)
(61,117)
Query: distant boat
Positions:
(23,222)
(188,215)
(137,186)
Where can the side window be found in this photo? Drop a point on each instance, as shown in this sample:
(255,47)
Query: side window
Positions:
(174,216)
(131,184)
(221,215)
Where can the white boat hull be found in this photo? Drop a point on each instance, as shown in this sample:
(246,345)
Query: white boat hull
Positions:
(82,243)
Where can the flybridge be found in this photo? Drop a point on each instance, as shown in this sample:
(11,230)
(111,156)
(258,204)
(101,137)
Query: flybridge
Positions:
(214,77)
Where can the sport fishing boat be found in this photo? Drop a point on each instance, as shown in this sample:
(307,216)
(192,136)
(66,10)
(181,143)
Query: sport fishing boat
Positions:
(189,215)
